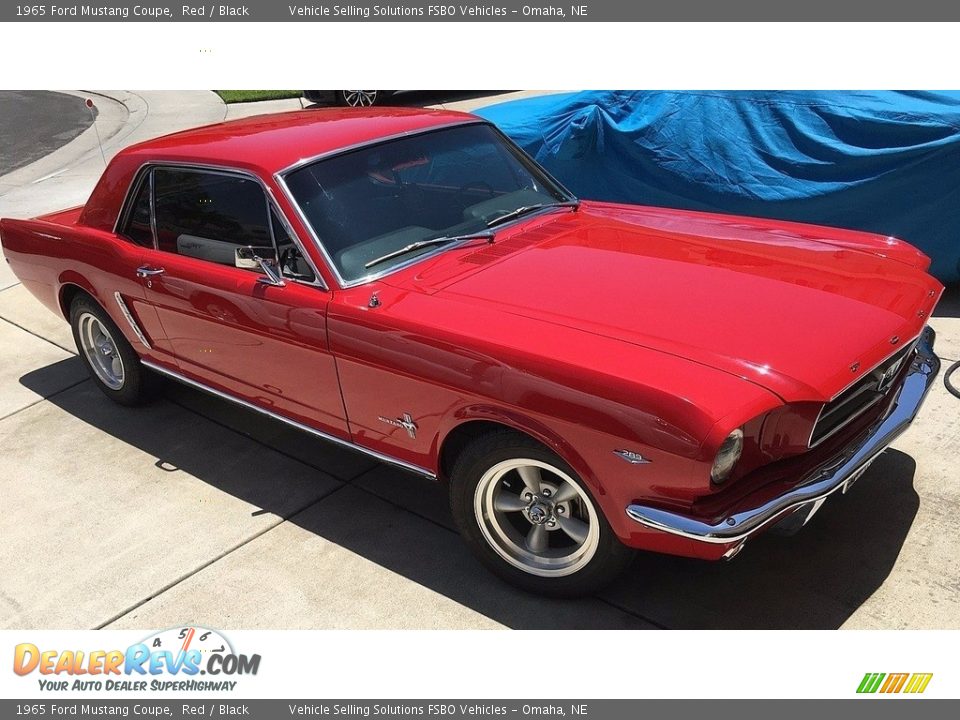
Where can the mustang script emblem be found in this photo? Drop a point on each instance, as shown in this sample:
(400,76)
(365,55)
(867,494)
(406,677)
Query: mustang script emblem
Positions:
(406,422)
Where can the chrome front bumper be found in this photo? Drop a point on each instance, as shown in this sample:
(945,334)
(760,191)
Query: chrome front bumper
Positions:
(837,474)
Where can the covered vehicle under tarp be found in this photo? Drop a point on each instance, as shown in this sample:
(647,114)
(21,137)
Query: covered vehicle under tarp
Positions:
(886,162)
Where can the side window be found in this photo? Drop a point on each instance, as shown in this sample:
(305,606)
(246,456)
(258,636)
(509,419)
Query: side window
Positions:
(292,263)
(138,227)
(208,215)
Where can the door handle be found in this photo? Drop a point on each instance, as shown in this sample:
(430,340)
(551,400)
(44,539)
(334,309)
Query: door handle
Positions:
(145,271)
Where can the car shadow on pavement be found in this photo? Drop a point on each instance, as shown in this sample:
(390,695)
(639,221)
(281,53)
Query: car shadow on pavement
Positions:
(812,580)
(401,522)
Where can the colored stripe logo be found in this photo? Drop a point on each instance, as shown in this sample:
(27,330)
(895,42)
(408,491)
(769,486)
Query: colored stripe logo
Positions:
(912,683)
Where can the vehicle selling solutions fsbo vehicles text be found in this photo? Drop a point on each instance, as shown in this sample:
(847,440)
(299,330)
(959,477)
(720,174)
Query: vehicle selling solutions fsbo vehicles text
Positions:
(356,11)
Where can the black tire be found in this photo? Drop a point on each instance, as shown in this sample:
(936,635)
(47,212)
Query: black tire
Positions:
(138,384)
(478,463)
(359,98)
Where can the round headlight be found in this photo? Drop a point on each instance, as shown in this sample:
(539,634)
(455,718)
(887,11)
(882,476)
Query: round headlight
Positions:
(727,456)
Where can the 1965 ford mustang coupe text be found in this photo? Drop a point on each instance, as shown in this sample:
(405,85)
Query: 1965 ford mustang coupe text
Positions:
(586,377)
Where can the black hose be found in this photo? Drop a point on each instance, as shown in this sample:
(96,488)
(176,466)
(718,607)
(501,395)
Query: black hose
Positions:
(946,380)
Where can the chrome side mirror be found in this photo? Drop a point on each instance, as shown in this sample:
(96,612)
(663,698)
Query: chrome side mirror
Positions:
(248,258)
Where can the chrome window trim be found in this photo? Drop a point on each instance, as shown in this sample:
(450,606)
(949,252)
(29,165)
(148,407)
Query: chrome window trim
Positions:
(153,212)
(142,175)
(269,196)
(525,156)
(293,423)
(910,346)
(280,178)
(374,141)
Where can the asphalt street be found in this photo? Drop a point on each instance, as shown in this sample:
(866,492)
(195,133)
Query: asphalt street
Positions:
(34,123)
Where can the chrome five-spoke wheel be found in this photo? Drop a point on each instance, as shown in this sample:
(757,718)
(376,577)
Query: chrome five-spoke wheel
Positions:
(113,363)
(100,350)
(536,517)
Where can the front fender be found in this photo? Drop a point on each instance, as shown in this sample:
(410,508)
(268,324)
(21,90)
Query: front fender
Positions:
(524,423)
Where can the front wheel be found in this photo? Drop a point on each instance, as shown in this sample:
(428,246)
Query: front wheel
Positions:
(527,517)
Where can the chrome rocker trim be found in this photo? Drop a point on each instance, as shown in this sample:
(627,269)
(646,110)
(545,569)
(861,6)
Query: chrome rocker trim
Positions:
(837,474)
(293,423)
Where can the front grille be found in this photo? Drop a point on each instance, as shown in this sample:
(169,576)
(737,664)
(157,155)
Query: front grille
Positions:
(859,397)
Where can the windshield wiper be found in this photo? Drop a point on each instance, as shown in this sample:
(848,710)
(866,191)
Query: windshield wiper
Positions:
(530,208)
(442,240)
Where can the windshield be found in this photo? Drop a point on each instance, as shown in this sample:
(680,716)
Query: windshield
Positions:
(370,204)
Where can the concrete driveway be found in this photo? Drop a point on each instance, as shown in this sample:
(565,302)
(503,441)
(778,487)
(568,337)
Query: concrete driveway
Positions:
(193,510)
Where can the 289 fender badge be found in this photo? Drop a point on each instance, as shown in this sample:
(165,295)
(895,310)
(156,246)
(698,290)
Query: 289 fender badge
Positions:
(855,366)
(406,422)
(634,458)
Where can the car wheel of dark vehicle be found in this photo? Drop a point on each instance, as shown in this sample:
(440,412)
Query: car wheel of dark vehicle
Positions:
(110,359)
(358,98)
(526,515)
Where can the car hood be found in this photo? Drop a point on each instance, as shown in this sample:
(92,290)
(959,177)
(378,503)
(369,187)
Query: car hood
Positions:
(800,310)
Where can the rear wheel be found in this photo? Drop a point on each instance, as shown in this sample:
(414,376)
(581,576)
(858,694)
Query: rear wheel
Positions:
(527,516)
(111,361)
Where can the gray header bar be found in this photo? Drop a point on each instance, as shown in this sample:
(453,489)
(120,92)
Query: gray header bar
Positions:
(502,11)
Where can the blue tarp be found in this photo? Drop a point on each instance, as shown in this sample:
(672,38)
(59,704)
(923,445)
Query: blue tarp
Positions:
(887,162)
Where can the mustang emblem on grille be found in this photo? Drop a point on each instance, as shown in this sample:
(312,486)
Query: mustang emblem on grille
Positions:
(888,376)
(406,422)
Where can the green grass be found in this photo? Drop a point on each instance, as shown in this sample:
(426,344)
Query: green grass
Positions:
(242,96)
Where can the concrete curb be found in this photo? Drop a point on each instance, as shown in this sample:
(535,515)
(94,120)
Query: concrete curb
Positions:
(111,118)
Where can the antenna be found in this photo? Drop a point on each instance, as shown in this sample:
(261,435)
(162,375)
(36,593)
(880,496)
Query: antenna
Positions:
(93,116)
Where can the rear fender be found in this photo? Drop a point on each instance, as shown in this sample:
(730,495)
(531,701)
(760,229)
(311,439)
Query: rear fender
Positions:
(70,280)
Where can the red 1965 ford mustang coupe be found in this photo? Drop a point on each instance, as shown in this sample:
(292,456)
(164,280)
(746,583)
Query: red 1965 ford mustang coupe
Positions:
(587,377)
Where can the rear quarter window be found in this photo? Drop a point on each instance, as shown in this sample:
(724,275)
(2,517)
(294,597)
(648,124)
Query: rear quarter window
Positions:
(137,227)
